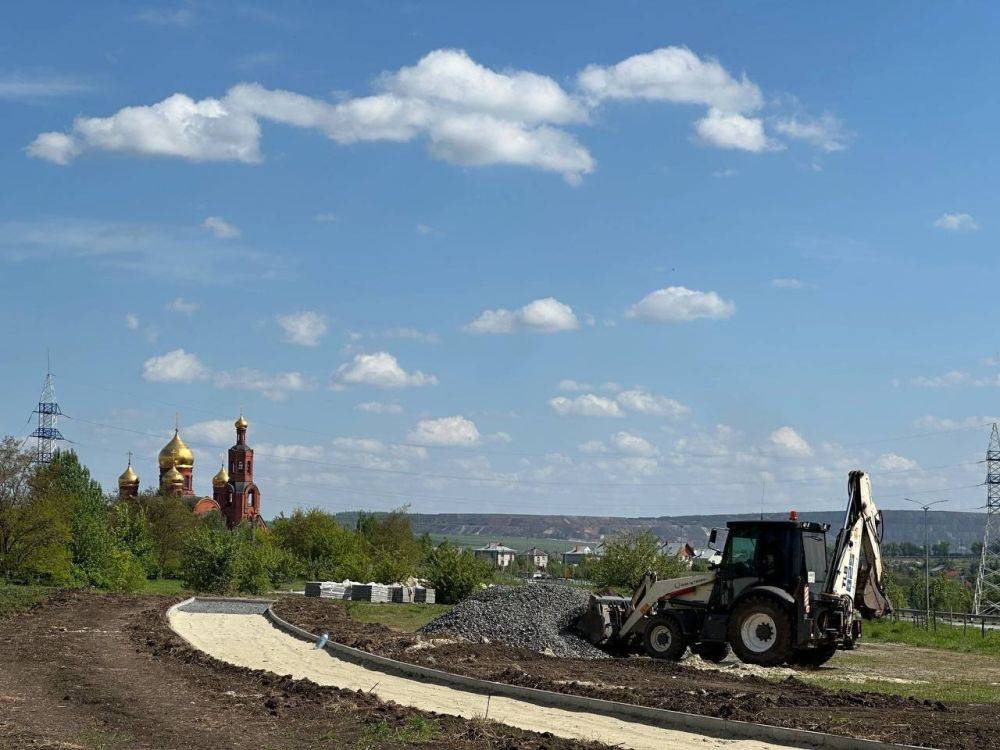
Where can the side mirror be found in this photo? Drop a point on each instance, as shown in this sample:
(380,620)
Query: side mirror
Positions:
(717,539)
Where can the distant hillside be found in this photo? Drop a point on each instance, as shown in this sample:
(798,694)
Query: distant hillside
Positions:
(959,529)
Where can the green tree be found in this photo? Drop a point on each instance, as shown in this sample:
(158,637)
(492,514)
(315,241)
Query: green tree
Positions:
(244,560)
(628,556)
(940,549)
(896,591)
(170,522)
(98,558)
(325,549)
(34,528)
(130,528)
(389,541)
(947,594)
(454,573)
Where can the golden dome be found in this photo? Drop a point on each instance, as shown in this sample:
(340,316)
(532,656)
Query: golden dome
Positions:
(128,477)
(241,423)
(176,453)
(172,476)
(222,478)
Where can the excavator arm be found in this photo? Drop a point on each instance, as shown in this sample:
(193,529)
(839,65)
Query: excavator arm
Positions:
(857,573)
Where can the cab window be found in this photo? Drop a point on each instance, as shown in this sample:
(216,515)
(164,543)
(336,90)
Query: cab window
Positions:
(741,548)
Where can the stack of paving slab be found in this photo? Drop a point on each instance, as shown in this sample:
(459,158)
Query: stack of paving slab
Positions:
(370,592)
(401,594)
(423,596)
(330,589)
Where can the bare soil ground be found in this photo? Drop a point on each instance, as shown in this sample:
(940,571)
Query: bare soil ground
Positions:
(728,692)
(84,671)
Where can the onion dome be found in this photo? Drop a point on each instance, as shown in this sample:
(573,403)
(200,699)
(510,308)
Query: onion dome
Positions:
(222,478)
(241,423)
(128,477)
(171,477)
(176,453)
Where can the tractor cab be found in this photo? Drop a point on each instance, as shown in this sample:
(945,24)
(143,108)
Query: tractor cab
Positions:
(779,554)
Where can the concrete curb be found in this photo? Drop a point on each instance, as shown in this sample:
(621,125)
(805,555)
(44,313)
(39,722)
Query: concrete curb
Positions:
(707,725)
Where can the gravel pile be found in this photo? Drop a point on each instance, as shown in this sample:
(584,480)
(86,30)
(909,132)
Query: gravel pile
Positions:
(536,616)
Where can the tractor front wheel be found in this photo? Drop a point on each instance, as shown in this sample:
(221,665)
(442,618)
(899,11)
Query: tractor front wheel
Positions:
(664,639)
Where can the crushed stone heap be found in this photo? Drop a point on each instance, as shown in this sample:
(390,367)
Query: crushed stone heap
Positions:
(535,616)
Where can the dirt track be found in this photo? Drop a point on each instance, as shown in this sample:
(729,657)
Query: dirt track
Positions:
(952,726)
(85,671)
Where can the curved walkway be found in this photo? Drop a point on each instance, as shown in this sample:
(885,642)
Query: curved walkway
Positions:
(250,640)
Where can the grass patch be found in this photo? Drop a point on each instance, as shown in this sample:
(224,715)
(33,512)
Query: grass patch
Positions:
(405,617)
(162,587)
(415,730)
(97,739)
(947,637)
(941,690)
(14,598)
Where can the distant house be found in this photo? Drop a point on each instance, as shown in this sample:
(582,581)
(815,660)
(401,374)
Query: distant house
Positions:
(577,555)
(496,554)
(537,558)
(681,550)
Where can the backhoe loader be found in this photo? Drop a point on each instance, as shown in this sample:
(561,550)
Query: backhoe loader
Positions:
(774,598)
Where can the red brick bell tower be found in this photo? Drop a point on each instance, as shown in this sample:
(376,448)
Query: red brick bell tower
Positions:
(239,498)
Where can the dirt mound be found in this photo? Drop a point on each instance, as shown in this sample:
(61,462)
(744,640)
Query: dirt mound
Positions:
(536,616)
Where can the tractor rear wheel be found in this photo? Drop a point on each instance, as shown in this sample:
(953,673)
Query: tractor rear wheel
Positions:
(760,632)
(664,639)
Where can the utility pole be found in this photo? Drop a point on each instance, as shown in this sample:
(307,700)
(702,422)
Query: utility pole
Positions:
(47,433)
(927,554)
(987,601)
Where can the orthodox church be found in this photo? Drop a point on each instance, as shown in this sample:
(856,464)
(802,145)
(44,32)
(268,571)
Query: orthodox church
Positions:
(234,494)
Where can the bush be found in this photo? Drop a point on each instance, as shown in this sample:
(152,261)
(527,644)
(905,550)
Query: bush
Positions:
(390,545)
(627,558)
(454,573)
(323,549)
(243,560)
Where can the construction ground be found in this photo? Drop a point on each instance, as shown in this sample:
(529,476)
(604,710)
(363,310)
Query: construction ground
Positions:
(85,670)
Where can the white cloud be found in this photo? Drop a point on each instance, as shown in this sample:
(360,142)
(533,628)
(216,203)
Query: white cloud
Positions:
(167,16)
(789,442)
(468,114)
(304,328)
(214,432)
(285,451)
(593,446)
(587,405)
(671,74)
(378,407)
(787,284)
(221,228)
(573,386)
(177,366)
(735,131)
(359,445)
(547,315)
(949,379)
(275,387)
(644,402)
(424,229)
(402,332)
(930,422)
(19,87)
(57,148)
(380,370)
(825,132)
(677,304)
(455,430)
(326,217)
(132,321)
(895,462)
(956,222)
(138,250)
(635,445)
(722,173)
(182,306)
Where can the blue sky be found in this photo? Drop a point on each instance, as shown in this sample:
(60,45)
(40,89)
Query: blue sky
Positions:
(509,258)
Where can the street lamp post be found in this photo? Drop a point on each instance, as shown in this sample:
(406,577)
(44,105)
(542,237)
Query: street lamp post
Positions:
(927,555)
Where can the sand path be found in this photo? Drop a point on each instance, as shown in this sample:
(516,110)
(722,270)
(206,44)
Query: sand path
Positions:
(250,640)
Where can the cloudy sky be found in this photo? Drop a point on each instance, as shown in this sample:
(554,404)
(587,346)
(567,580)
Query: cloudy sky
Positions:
(531,258)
